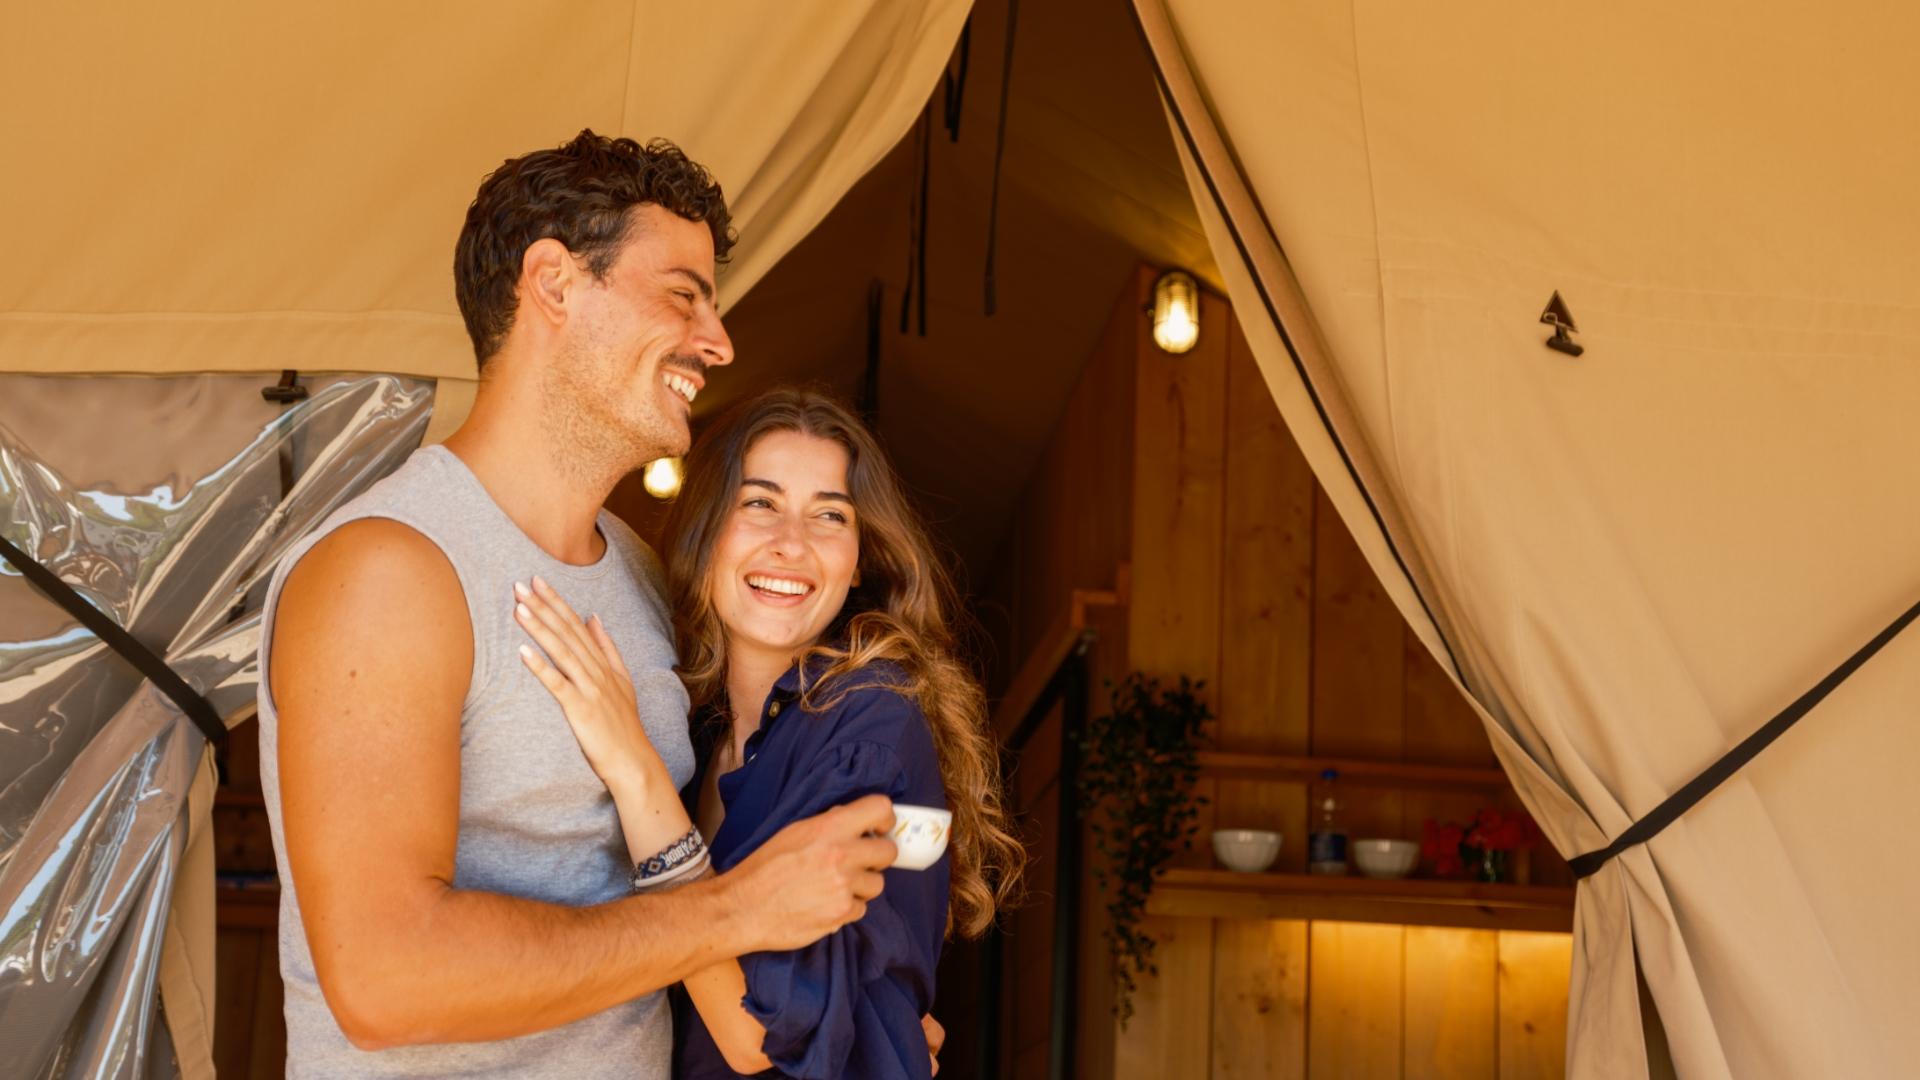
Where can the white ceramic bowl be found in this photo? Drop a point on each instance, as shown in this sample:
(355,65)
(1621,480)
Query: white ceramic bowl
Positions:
(1246,850)
(1385,858)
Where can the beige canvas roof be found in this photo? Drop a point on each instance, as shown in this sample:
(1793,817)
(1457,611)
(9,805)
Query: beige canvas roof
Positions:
(240,187)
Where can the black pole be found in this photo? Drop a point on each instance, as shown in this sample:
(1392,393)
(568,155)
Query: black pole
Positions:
(988,1047)
(1066,886)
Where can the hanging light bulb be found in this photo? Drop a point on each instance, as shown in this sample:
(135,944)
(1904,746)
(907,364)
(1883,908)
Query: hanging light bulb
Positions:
(1176,311)
(662,477)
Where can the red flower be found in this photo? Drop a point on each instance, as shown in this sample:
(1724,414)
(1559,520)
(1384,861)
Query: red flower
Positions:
(1440,845)
(1495,830)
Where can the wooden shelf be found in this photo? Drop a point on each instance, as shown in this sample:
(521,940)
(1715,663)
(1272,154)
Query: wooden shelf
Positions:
(1354,772)
(1228,894)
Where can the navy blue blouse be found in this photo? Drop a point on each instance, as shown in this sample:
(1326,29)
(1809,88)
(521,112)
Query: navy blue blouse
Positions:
(850,1004)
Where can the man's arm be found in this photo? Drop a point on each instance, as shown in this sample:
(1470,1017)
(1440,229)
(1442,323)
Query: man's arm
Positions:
(372,652)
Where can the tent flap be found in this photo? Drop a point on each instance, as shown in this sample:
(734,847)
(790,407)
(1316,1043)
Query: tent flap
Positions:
(1639,554)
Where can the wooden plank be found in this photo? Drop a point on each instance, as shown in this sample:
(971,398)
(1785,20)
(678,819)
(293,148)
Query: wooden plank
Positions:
(1072,521)
(1031,1063)
(1029,946)
(1442,727)
(1259,998)
(1266,609)
(1107,663)
(1535,970)
(1179,479)
(1450,1003)
(1074,518)
(1035,671)
(1354,1021)
(1358,661)
(1171,1030)
(269,1057)
(1354,772)
(236,963)
(1038,767)
(1228,895)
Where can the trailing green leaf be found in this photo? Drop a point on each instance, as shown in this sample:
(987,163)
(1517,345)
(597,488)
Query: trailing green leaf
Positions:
(1137,774)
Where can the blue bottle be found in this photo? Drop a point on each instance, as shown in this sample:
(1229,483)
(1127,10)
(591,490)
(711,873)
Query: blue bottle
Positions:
(1327,842)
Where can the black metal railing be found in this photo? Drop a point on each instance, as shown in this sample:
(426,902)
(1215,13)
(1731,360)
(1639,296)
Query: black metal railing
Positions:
(1068,689)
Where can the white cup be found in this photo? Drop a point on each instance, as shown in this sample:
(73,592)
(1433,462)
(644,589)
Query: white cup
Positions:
(920,832)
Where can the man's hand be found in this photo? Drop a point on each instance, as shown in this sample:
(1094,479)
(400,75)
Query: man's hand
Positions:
(936,1038)
(814,876)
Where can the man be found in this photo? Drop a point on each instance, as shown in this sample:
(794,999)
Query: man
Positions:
(455,888)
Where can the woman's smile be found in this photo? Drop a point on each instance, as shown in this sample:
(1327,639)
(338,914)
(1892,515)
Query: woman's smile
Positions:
(790,547)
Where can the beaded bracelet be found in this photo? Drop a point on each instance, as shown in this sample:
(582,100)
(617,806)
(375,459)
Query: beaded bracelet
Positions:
(683,857)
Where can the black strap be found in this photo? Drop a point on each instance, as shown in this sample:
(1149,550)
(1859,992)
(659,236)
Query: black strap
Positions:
(999,152)
(164,678)
(1681,801)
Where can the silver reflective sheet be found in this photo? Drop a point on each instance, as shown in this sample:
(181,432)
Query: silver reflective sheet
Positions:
(165,501)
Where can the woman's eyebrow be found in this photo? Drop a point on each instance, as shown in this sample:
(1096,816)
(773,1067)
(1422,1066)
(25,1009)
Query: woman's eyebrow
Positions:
(830,496)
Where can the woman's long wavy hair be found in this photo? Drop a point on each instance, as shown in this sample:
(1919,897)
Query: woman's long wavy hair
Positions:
(904,610)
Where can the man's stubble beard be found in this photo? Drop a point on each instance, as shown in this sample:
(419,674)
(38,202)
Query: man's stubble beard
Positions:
(602,425)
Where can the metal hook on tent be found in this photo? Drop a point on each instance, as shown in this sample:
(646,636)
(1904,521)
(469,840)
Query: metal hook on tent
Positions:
(1558,317)
(287,391)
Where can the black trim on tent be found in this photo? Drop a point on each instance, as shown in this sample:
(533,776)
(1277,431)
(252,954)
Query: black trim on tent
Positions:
(145,660)
(1714,775)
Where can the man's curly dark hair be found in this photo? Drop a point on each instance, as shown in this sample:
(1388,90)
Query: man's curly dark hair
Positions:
(578,194)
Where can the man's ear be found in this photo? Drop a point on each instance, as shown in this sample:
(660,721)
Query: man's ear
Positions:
(547,276)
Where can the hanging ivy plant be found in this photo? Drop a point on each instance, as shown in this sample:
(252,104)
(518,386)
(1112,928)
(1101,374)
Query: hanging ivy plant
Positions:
(1137,775)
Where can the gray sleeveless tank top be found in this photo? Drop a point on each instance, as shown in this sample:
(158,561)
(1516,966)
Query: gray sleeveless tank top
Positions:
(534,819)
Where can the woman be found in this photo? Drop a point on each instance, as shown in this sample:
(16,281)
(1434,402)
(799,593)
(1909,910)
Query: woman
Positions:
(815,631)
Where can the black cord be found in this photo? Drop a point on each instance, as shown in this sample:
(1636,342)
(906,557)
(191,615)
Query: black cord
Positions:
(917,233)
(953,86)
(145,660)
(999,151)
(1714,775)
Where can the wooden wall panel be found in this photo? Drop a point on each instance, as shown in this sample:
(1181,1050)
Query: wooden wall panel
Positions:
(1535,970)
(1074,523)
(1266,609)
(1452,978)
(1029,945)
(1174,629)
(235,992)
(1179,476)
(1359,660)
(1354,990)
(1095,1057)
(1439,727)
(1172,1027)
(1243,575)
(1259,998)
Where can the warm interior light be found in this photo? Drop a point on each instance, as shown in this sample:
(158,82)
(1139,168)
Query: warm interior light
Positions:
(1176,312)
(662,477)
